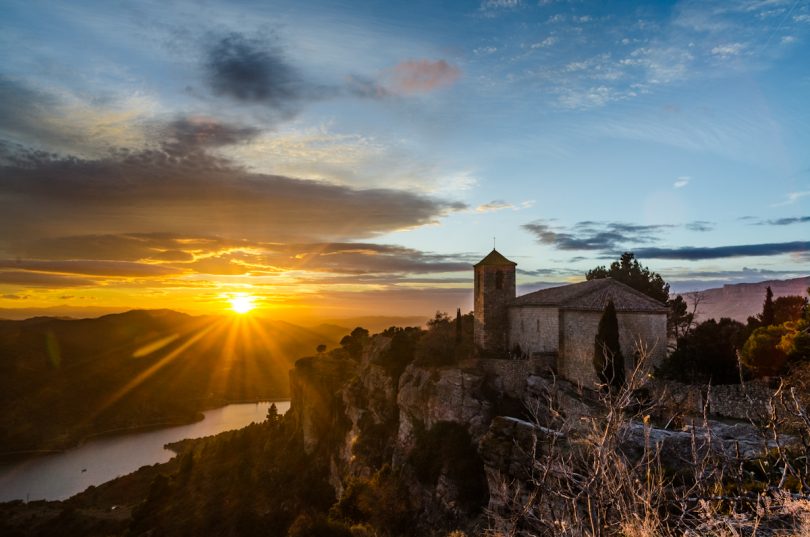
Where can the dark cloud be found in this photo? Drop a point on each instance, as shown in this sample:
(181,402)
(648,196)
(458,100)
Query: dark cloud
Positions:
(193,194)
(700,225)
(590,235)
(188,134)
(215,255)
(41,279)
(89,267)
(720,252)
(366,88)
(785,221)
(254,71)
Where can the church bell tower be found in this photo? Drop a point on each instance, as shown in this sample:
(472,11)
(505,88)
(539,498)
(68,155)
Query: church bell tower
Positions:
(494,289)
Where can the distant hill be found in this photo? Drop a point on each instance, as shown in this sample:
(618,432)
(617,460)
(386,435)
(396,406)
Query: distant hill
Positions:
(62,380)
(377,323)
(741,300)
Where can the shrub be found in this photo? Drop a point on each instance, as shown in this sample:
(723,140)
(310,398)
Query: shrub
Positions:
(707,354)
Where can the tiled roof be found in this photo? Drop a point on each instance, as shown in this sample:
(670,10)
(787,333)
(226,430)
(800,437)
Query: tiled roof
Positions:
(495,258)
(592,295)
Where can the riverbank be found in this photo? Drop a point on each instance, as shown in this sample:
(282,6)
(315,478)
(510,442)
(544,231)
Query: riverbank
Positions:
(61,475)
(67,441)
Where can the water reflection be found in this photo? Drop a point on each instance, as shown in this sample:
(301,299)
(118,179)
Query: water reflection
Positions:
(60,476)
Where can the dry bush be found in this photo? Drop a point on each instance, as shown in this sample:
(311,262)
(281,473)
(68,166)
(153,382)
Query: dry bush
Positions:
(610,474)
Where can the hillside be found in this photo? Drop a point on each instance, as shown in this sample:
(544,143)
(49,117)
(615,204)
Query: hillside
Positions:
(739,301)
(63,380)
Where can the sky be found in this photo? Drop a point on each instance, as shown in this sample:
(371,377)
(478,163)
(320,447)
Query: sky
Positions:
(330,159)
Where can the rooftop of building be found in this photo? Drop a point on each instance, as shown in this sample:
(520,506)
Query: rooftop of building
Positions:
(593,295)
(496,259)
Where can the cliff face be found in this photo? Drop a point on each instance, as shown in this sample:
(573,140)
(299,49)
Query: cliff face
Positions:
(364,419)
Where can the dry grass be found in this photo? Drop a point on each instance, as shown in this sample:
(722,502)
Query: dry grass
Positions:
(585,482)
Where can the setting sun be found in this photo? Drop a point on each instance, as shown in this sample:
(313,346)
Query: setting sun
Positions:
(242,304)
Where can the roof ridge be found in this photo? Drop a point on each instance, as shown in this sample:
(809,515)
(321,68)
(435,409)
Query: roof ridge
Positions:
(635,291)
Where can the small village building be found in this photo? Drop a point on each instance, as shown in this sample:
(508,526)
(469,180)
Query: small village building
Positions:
(559,324)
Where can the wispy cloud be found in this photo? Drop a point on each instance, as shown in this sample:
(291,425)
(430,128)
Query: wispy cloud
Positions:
(787,221)
(792,198)
(589,235)
(682,181)
(422,76)
(499,205)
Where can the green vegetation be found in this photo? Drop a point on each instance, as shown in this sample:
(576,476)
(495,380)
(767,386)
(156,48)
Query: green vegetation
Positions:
(769,345)
(629,271)
(707,354)
(441,344)
(401,351)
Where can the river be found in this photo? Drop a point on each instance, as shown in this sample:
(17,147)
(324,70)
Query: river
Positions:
(61,475)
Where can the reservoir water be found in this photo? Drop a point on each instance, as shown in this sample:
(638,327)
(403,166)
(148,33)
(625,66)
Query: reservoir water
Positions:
(60,476)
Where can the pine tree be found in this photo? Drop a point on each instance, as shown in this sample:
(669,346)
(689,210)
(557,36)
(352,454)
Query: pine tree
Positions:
(607,357)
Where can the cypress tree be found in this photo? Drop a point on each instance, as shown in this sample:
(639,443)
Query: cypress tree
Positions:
(767,317)
(458,325)
(607,356)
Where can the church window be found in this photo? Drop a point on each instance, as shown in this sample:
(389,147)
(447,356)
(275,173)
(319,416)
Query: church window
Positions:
(499,280)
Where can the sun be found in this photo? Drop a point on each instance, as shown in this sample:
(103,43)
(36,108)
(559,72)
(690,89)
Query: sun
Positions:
(242,303)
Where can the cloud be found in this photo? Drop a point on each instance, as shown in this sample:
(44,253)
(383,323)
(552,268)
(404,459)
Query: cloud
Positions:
(547,42)
(492,206)
(193,193)
(187,134)
(721,252)
(589,235)
(682,181)
(787,221)
(250,71)
(422,76)
(40,279)
(65,122)
(792,198)
(700,225)
(160,254)
(499,4)
(727,50)
(89,267)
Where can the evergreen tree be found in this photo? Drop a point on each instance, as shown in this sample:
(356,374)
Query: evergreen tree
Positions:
(607,357)
(630,272)
(458,325)
(767,317)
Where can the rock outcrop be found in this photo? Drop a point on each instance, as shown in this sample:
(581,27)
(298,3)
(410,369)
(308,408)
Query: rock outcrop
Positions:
(368,420)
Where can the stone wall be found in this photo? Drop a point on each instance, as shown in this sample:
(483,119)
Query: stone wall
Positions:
(579,331)
(508,377)
(534,329)
(490,304)
(747,401)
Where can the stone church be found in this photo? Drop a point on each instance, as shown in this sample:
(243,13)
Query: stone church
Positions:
(558,325)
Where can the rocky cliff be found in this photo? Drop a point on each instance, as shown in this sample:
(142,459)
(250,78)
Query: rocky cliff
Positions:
(450,437)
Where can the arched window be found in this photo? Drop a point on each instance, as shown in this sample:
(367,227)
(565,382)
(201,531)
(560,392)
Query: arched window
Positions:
(499,280)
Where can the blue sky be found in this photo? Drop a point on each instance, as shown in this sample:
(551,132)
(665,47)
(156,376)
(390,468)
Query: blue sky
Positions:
(366,152)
